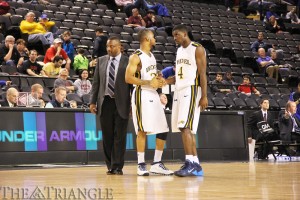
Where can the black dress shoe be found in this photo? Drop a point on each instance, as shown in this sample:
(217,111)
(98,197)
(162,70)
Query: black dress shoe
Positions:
(118,172)
(110,172)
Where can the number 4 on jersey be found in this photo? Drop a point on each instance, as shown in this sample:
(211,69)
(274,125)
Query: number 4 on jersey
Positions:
(180,74)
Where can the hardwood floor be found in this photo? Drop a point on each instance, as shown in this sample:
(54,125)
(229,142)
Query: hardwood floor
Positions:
(230,180)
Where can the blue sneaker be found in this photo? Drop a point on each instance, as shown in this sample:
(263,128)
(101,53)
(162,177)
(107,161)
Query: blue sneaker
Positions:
(199,169)
(188,169)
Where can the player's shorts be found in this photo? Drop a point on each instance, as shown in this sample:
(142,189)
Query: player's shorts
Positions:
(147,112)
(185,109)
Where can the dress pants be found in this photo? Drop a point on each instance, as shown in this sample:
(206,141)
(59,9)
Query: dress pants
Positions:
(114,130)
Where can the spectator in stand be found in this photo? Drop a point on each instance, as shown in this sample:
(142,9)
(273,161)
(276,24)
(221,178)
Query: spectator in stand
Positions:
(81,62)
(247,88)
(35,98)
(151,21)
(218,85)
(267,65)
(274,25)
(36,31)
(57,50)
(62,81)
(168,71)
(48,25)
(68,46)
(22,49)
(260,43)
(136,19)
(272,12)
(4,8)
(142,4)
(31,67)
(100,43)
(5,84)
(292,15)
(11,99)
(52,69)
(83,84)
(59,99)
(295,97)
(228,80)
(9,54)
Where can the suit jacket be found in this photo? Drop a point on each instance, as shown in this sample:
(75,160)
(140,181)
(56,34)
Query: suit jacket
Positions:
(6,104)
(286,126)
(122,89)
(256,117)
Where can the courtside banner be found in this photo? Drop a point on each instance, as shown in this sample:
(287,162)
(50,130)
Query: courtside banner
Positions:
(49,131)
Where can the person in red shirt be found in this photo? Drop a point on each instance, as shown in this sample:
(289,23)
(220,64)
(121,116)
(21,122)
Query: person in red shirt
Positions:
(4,8)
(246,87)
(57,50)
(136,19)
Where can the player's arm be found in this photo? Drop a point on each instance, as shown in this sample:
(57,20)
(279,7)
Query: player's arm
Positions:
(170,80)
(201,65)
(131,69)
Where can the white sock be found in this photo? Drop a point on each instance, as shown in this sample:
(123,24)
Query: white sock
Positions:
(157,156)
(196,160)
(141,157)
(189,157)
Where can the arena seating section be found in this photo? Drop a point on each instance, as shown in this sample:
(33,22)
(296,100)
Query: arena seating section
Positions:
(226,35)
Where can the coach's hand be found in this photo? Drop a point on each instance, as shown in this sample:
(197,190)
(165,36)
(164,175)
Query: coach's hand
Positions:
(93,108)
(203,103)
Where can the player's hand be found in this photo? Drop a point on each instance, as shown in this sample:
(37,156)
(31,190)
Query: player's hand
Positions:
(93,108)
(157,82)
(203,103)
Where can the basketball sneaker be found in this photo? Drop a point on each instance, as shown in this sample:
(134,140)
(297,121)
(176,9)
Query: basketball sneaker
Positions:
(142,170)
(160,168)
(199,169)
(188,169)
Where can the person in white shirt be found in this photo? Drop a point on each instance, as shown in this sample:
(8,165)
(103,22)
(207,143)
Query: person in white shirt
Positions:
(293,16)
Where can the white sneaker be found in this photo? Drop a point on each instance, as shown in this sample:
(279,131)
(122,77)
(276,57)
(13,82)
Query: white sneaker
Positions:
(142,170)
(160,168)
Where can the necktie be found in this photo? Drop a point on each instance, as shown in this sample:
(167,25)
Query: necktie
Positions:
(265,117)
(295,125)
(111,79)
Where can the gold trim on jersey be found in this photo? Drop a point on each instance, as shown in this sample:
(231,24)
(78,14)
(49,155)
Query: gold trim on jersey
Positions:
(190,118)
(196,44)
(197,79)
(137,52)
(138,104)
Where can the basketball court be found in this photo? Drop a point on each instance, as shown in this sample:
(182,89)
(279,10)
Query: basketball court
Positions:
(222,180)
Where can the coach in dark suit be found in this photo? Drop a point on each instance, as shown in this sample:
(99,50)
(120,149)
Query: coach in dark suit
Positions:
(110,99)
(289,125)
(254,134)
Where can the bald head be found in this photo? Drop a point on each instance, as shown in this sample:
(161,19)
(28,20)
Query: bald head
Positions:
(12,95)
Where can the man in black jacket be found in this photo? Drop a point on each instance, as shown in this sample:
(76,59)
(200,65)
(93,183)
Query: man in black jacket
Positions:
(253,132)
(110,100)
